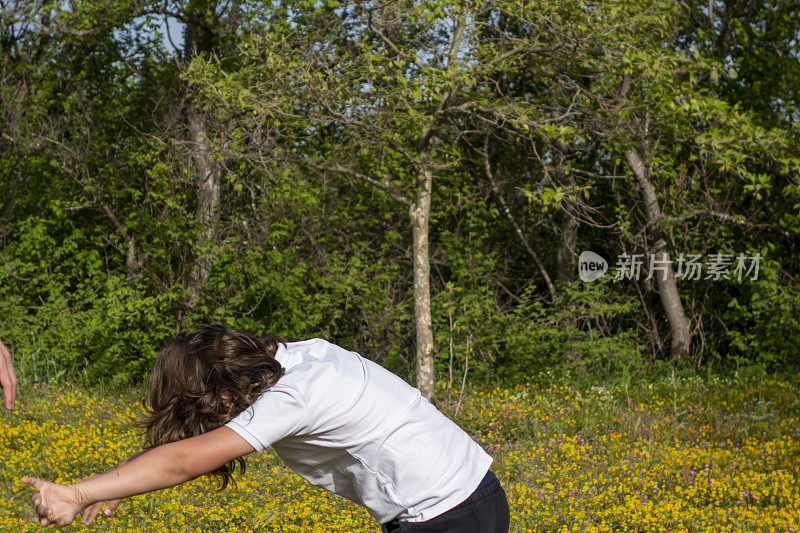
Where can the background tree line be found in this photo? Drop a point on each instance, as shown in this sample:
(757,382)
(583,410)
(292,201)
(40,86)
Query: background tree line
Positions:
(413,180)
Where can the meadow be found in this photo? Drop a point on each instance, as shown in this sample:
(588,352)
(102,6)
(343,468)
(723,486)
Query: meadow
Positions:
(679,454)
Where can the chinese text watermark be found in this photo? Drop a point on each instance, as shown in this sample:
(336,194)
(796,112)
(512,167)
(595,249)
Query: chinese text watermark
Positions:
(715,266)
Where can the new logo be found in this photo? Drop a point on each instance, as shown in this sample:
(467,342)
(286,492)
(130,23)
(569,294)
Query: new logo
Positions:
(591,266)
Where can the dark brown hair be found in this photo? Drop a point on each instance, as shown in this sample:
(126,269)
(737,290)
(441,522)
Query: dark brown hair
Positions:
(204,378)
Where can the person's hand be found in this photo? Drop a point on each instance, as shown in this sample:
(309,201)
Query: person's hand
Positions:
(8,380)
(55,504)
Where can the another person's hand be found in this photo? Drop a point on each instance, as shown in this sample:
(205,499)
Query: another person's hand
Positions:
(90,513)
(8,380)
(55,504)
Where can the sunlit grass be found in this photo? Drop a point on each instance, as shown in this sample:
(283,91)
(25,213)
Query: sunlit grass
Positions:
(678,455)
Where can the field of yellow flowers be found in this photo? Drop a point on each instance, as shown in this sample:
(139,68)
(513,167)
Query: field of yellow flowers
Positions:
(679,455)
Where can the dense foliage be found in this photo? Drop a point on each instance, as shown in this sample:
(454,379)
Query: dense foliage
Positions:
(320,168)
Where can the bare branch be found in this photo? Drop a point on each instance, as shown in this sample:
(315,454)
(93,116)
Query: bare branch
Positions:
(358,175)
(490,176)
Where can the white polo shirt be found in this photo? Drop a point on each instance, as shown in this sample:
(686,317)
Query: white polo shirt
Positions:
(352,427)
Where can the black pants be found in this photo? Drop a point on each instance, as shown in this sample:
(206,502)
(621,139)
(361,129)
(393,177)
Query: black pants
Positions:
(485,511)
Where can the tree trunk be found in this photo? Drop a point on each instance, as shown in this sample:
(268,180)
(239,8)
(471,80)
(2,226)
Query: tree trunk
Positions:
(665,280)
(208,197)
(420,213)
(568,235)
(565,253)
(207,174)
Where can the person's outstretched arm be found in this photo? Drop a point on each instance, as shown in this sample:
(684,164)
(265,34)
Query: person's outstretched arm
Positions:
(90,513)
(158,468)
(8,380)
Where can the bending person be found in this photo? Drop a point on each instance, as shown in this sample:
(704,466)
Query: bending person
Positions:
(338,420)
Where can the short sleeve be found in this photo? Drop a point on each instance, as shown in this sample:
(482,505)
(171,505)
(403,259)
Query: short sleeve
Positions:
(278,413)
